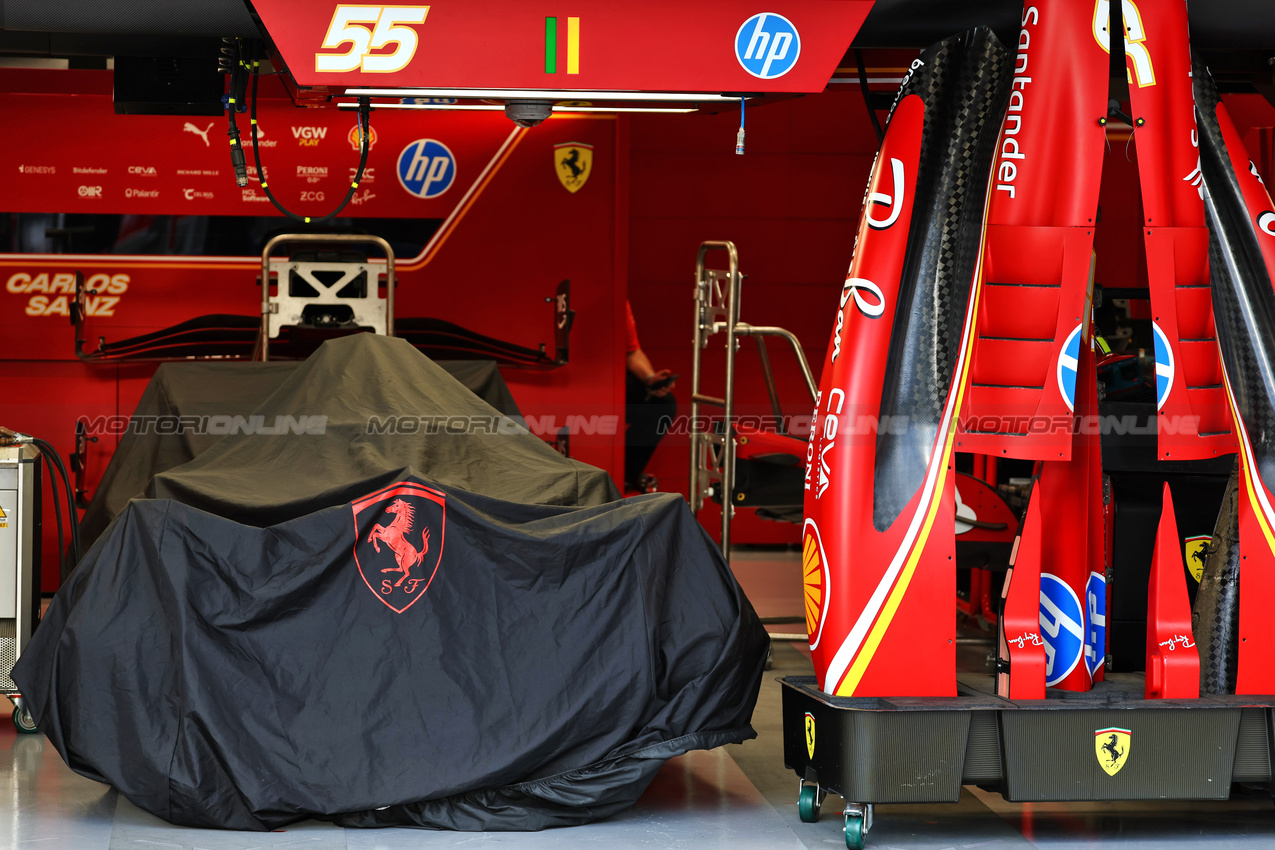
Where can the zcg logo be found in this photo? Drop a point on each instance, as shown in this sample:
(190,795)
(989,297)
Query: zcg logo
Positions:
(767,45)
(426,168)
(390,25)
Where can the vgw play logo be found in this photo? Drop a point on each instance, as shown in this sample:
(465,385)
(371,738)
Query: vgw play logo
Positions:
(767,45)
(426,168)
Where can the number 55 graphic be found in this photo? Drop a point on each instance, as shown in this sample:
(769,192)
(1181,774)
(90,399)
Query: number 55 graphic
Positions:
(350,26)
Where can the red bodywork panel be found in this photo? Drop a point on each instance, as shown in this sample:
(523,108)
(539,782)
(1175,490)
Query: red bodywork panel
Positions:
(1173,661)
(909,572)
(655,46)
(1177,242)
(1039,238)
(1256,671)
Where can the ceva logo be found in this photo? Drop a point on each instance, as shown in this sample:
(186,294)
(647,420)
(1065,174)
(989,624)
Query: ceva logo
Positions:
(426,168)
(767,45)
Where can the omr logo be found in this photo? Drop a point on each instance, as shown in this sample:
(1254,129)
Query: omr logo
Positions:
(767,45)
(426,168)
(89,191)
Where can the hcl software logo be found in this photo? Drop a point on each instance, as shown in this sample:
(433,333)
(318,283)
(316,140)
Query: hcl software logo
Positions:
(426,168)
(767,45)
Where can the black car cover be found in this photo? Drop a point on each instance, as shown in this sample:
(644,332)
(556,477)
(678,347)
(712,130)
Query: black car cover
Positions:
(367,406)
(393,649)
(189,406)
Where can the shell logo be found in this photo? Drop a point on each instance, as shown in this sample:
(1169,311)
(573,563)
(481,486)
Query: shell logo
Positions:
(353,137)
(814,577)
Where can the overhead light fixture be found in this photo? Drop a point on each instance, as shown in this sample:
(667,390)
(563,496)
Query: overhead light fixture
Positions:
(465,107)
(624,109)
(532,94)
(491,107)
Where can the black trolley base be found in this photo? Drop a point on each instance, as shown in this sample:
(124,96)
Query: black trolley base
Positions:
(1104,744)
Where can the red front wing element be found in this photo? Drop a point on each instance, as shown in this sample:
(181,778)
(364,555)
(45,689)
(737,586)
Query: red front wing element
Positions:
(1173,662)
(1022,650)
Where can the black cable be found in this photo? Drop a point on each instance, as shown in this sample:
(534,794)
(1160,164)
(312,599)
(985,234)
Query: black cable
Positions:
(57,508)
(237,160)
(867,100)
(73,519)
(364,122)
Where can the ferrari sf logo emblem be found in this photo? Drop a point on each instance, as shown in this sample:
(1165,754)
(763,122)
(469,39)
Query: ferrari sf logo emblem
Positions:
(810,735)
(1196,553)
(398,542)
(573,162)
(1112,747)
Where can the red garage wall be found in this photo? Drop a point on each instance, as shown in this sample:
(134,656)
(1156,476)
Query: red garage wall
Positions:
(514,237)
(790,205)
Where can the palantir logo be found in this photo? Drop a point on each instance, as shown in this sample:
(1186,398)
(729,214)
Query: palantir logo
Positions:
(426,168)
(767,45)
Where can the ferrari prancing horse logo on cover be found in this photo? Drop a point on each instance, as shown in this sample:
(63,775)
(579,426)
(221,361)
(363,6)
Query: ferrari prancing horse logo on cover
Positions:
(1112,746)
(399,541)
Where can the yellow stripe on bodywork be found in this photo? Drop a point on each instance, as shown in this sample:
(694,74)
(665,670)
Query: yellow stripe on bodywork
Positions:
(1245,461)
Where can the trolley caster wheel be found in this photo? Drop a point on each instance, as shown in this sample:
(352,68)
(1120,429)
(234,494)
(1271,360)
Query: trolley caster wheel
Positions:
(858,822)
(808,803)
(22,721)
(855,833)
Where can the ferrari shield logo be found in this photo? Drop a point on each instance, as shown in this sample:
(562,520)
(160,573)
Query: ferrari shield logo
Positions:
(398,541)
(1112,748)
(1196,553)
(810,735)
(574,162)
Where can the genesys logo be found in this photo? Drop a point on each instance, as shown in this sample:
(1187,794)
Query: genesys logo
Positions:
(426,168)
(142,171)
(37,169)
(50,293)
(767,45)
(368,28)
(89,192)
(309,137)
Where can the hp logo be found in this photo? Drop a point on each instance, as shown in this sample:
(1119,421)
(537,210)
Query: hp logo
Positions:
(426,168)
(1062,626)
(767,45)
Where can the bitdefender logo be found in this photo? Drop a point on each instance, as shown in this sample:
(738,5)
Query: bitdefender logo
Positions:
(398,543)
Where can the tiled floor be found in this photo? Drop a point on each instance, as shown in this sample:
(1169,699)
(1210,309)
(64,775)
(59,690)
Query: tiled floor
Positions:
(738,797)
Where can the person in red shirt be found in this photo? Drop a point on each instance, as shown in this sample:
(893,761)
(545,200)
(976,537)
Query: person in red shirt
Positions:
(648,398)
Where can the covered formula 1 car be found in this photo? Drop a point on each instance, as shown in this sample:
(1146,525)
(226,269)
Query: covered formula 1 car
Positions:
(395,649)
(188,406)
